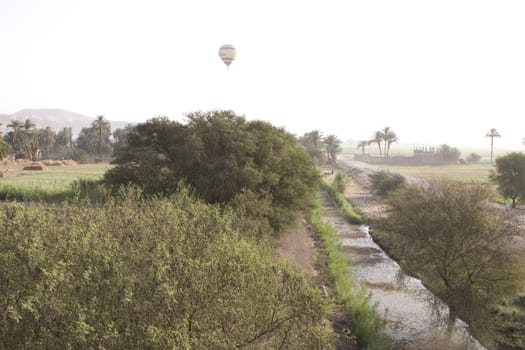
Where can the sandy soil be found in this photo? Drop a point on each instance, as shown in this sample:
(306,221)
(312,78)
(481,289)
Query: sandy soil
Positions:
(297,247)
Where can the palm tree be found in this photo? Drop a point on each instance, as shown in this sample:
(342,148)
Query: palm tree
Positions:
(17,127)
(362,145)
(389,137)
(103,128)
(378,138)
(47,139)
(29,139)
(29,125)
(492,133)
(316,137)
(333,147)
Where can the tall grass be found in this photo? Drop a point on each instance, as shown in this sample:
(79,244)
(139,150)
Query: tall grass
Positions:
(368,327)
(80,190)
(346,210)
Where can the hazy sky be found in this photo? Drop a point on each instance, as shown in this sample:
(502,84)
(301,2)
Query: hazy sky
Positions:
(434,71)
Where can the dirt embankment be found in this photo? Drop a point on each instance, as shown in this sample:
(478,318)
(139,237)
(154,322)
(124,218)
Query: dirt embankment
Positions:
(300,246)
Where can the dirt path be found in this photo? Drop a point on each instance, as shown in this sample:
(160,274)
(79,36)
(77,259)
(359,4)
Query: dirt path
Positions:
(297,246)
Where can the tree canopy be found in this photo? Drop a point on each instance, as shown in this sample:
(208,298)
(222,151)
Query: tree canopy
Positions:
(223,158)
(447,234)
(510,176)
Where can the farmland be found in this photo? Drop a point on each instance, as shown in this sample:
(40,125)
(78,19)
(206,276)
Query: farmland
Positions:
(53,178)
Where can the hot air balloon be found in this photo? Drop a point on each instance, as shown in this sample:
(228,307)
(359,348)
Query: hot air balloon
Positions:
(227,54)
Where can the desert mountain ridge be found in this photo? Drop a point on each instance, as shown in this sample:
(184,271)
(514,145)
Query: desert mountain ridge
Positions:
(57,119)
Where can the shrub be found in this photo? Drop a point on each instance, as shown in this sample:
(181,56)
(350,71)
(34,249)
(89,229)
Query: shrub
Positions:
(345,208)
(473,158)
(89,190)
(384,182)
(166,273)
(340,182)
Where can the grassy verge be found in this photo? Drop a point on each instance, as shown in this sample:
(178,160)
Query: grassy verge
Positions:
(368,327)
(345,209)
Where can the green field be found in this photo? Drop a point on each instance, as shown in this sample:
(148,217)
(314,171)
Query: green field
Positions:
(53,178)
(474,172)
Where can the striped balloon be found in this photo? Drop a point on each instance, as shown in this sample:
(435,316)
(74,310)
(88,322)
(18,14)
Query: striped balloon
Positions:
(227,54)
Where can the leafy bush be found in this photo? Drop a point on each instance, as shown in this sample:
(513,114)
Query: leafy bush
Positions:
(340,182)
(345,208)
(147,274)
(473,158)
(76,154)
(89,190)
(384,182)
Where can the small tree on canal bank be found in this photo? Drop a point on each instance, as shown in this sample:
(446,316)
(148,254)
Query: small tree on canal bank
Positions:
(446,234)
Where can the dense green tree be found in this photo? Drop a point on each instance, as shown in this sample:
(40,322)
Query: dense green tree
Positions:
(87,140)
(159,274)
(449,154)
(16,127)
(221,156)
(510,176)
(28,140)
(492,133)
(64,138)
(47,140)
(333,147)
(120,138)
(447,234)
(473,158)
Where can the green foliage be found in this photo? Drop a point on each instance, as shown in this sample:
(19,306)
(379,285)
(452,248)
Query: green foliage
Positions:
(4,149)
(511,323)
(147,274)
(385,182)
(312,142)
(76,154)
(473,158)
(24,194)
(368,326)
(510,176)
(345,208)
(220,155)
(449,154)
(446,234)
(333,147)
(89,190)
(340,182)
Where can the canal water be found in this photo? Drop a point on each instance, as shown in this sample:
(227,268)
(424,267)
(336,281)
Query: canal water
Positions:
(416,319)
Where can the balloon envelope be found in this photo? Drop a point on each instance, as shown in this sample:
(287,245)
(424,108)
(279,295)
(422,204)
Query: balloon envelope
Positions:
(227,54)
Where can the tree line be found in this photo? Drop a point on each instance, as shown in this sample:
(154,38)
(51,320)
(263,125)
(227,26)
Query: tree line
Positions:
(25,140)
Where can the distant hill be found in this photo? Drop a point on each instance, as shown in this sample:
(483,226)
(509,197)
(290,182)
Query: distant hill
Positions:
(57,119)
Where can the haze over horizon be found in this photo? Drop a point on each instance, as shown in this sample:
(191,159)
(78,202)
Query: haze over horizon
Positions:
(435,72)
